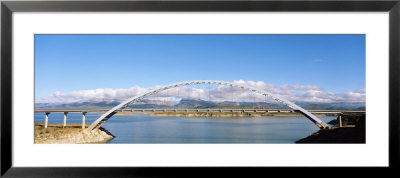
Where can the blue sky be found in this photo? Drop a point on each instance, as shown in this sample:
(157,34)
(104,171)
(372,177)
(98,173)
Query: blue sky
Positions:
(66,63)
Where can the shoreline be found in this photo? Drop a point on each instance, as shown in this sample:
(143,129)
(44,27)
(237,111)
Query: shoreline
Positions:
(335,135)
(351,131)
(71,134)
(221,114)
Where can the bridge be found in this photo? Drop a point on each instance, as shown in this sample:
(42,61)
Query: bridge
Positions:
(122,106)
(155,110)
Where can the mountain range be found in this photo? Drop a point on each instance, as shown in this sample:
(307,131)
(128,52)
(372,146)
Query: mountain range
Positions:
(191,103)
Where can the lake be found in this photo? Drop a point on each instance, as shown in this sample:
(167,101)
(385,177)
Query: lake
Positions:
(148,129)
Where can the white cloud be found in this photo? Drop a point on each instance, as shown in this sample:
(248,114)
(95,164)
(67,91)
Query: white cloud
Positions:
(307,87)
(296,93)
(103,94)
(362,91)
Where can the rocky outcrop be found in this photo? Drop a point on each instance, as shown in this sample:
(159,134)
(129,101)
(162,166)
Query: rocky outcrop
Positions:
(353,131)
(54,135)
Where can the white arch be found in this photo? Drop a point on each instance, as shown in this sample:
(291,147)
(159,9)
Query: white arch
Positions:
(97,123)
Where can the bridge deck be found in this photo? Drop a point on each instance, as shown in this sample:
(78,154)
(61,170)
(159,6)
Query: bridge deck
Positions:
(187,110)
(66,111)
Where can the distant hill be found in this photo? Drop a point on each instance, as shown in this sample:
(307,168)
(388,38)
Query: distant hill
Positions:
(186,103)
(324,107)
(361,108)
(191,103)
(332,106)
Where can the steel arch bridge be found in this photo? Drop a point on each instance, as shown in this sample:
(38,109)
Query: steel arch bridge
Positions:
(100,121)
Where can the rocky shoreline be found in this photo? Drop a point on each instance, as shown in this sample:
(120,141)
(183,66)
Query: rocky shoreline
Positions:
(71,134)
(352,131)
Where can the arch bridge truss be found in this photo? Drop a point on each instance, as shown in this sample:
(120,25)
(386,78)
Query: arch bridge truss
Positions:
(100,121)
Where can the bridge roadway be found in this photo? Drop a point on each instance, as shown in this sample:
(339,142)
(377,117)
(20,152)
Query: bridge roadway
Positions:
(134,110)
(189,110)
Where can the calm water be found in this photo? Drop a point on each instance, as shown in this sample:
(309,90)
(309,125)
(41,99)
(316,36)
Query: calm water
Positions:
(147,129)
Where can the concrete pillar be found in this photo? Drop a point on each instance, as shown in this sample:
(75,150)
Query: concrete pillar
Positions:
(83,120)
(46,119)
(340,121)
(65,118)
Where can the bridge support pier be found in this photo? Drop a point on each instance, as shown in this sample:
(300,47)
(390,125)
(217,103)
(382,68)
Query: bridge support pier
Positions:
(83,119)
(46,119)
(65,119)
(340,121)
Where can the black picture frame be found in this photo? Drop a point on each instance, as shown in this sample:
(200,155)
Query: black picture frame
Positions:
(8,7)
